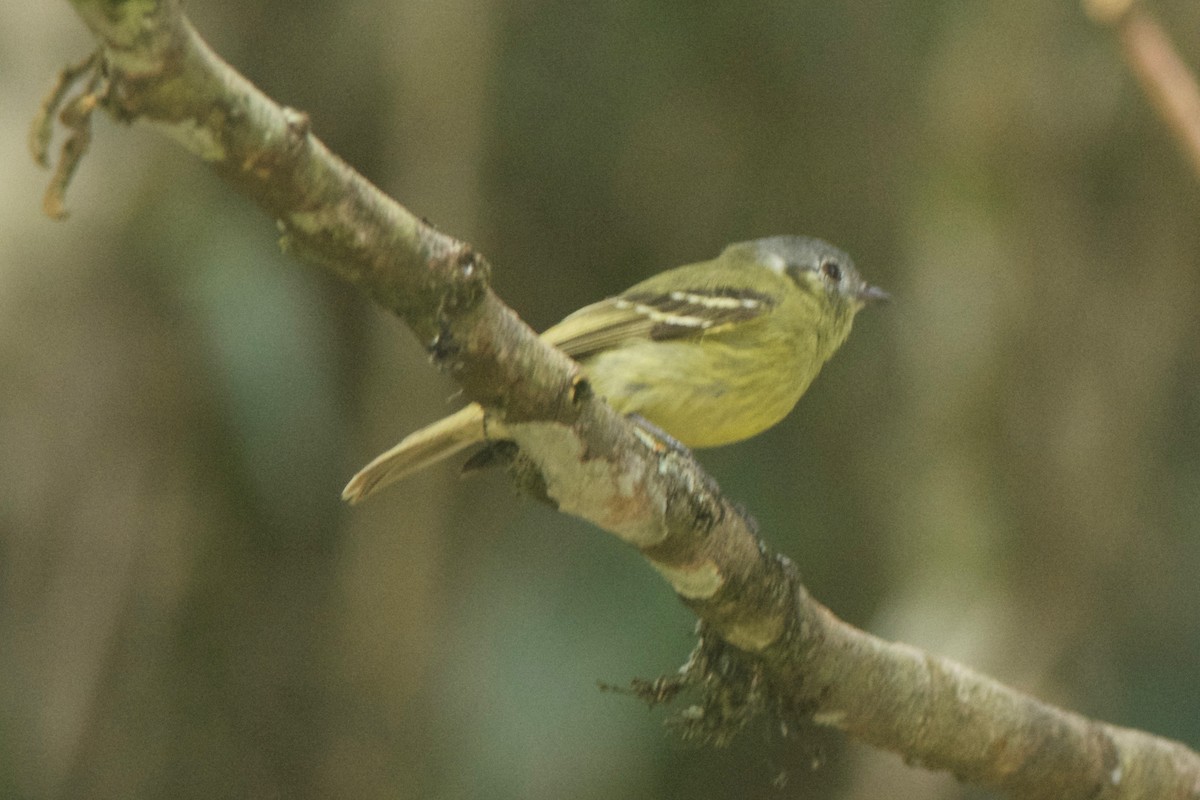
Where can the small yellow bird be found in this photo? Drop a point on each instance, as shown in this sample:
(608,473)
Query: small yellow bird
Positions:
(710,353)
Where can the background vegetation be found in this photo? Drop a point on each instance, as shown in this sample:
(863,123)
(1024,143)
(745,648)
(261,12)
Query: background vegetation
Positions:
(1003,466)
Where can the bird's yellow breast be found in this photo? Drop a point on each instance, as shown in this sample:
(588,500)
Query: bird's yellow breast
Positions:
(730,388)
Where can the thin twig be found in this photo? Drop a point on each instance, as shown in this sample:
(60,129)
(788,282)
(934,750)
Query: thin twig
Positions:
(42,129)
(76,118)
(1165,78)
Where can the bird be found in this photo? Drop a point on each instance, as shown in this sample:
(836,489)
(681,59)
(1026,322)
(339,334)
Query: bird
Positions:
(709,353)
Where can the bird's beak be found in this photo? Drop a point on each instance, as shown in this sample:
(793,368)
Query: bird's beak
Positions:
(873,294)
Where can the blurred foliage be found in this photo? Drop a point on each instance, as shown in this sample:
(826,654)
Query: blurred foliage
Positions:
(1001,467)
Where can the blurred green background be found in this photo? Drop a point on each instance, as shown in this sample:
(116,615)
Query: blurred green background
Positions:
(1003,466)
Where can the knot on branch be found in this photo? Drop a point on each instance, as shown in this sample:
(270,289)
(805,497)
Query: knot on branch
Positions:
(459,278)
(466,275)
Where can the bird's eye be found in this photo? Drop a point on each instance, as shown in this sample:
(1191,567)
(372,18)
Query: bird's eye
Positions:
(831,270)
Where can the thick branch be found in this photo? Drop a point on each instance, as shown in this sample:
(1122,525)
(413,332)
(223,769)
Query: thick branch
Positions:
(930,710)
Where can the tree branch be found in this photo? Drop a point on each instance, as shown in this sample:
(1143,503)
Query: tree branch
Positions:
(767,644)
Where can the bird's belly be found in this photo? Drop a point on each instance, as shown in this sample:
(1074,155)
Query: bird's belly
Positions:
(703,396)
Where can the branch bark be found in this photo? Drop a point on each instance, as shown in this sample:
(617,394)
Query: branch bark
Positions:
(767,644)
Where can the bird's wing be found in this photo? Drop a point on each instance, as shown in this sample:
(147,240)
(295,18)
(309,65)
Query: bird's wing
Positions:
(658,316)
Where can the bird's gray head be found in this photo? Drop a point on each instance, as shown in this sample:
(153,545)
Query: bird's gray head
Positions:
(813,263)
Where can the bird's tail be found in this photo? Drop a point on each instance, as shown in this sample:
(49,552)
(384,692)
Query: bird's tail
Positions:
(418,450)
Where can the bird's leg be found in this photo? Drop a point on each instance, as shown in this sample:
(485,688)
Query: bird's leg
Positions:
(656,438)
